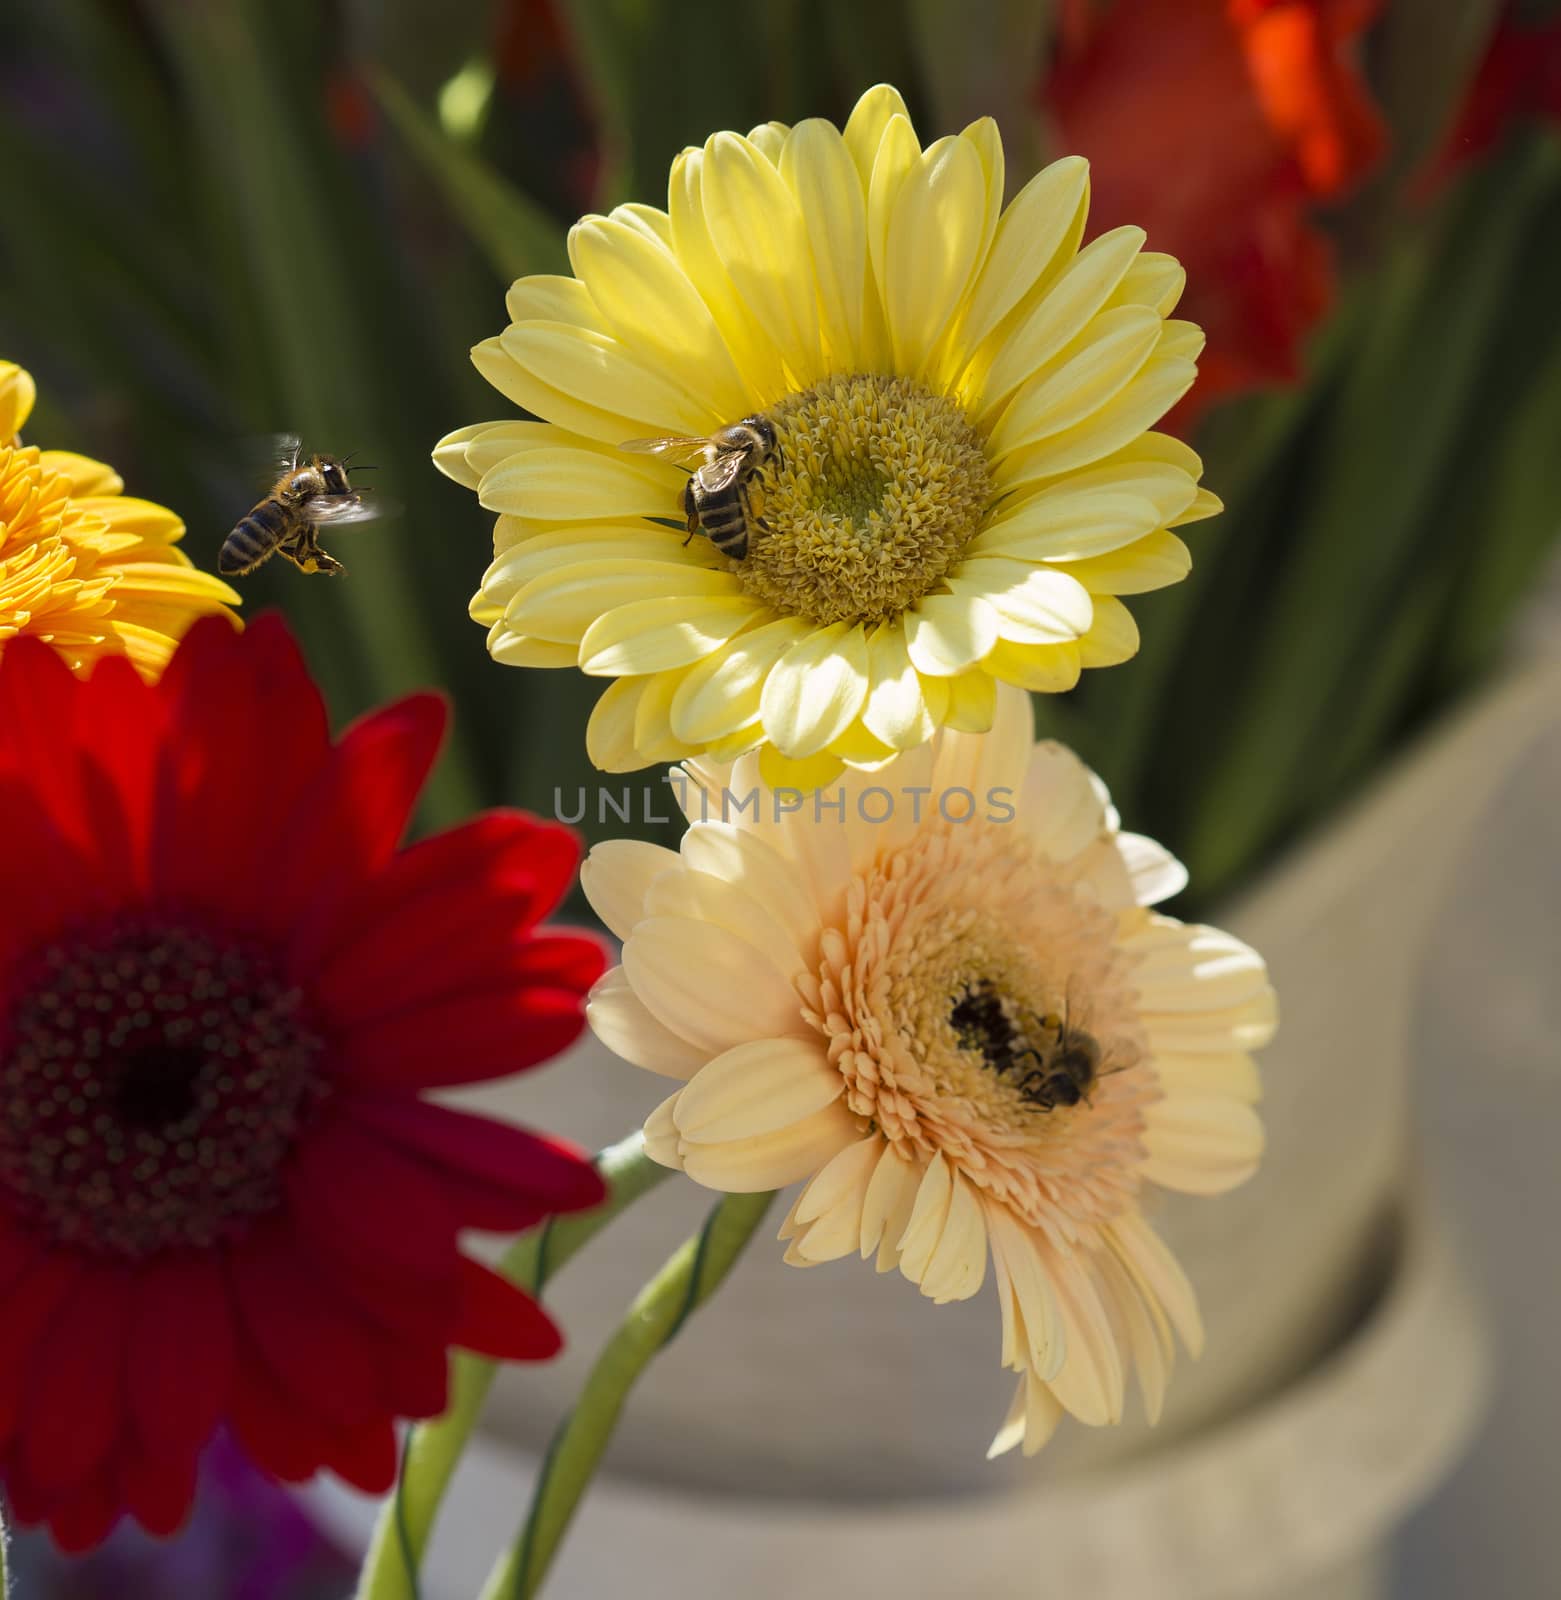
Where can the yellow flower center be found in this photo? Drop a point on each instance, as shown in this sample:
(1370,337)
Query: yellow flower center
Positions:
(874,490)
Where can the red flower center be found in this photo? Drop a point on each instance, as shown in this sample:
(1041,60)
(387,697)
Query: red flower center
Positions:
(154,1076)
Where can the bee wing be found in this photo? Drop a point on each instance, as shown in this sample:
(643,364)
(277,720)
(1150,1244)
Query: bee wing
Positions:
(722,472)
(679,446)
(286,450)
(338,509)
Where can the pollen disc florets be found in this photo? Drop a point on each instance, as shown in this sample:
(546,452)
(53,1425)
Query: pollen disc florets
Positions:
(876,487)
(961,955)
(154,1075)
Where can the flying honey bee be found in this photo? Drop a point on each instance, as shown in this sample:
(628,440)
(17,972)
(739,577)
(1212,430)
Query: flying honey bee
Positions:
(304,497)
(715,498)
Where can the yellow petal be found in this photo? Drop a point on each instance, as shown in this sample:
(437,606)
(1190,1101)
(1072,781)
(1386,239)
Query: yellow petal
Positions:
(1035,234)
(653,635)
(1034,605)
(602,374)
(1139,406)
(898,153)
(752,345)
(1204,505)
(1084,379)
(559,484)
(647,301)
(867,124)
(511,649)
(818,169)
(1112,637)
(804,774)
(1059,316)
(722,693)
(895,710)
(1041,668)
(18,393)
(757,230)
(814,692)
(945,634)
(609,734)
(934,241)
(563,603)
(1154,562)
(972,701)
(1155,280)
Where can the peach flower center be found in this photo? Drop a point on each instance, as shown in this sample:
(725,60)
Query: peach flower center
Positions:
(977,1005)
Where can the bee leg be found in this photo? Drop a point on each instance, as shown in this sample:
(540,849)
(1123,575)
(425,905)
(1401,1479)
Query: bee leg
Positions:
(691,510)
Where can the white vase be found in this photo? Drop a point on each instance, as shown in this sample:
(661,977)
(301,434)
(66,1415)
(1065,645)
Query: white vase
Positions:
(824,1432)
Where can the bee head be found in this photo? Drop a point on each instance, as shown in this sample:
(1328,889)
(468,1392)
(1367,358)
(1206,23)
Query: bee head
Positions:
(334,476)
(764,428)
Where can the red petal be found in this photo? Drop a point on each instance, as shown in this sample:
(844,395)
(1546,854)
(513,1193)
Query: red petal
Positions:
(323,1356)
(276,1435)
(180,1354)
(373,1205)
(506,1159)
(501,1321)
(44,878)
(467,1039)
(74,1407)
(39,700)
(423,1311)
(29,1308)
(84,1521)
(346,825)
(365,1457)
(500,859)
(249,735)
(122,728)
(417,1379)
(158,1492)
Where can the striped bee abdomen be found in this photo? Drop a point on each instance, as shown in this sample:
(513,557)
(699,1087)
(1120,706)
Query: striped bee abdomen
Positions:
(255,538)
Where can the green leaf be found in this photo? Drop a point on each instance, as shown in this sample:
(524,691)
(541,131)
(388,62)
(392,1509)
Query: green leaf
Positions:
(515,235)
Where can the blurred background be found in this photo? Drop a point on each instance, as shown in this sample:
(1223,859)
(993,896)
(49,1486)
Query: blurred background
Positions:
(227,218)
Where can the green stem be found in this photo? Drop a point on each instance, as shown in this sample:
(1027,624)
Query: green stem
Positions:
(659,1311)
(433,1449)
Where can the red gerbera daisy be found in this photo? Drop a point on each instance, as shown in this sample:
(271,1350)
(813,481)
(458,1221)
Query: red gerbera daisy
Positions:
(223,992)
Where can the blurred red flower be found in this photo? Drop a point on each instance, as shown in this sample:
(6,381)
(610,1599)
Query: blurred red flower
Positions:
(1518,78)
(224,989)
(1216,125)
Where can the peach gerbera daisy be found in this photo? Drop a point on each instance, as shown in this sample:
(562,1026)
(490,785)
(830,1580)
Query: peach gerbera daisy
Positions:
(83,566)
(938,996)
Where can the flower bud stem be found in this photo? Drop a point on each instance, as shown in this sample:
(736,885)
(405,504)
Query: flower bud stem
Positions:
(659,1311)
(433,1449)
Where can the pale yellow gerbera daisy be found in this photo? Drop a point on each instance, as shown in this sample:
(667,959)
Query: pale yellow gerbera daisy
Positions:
(969,1037)
(963,483)
(83,566)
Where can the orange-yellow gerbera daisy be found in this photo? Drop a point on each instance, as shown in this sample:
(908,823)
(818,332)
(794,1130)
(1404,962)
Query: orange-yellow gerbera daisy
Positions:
(83,566)
(938,996)
(963,482)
